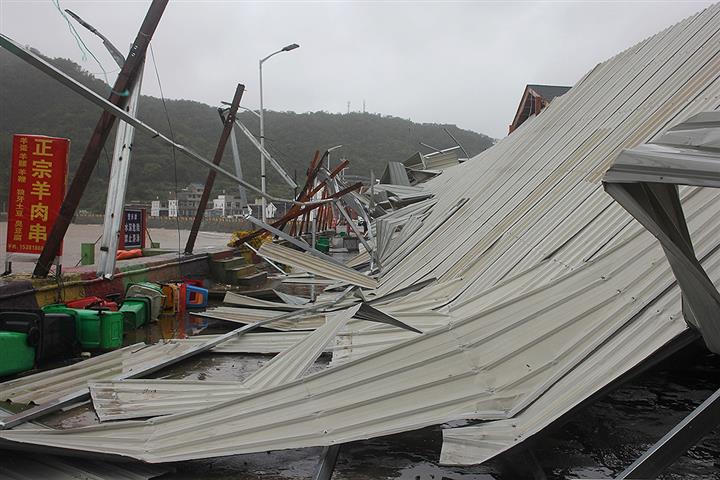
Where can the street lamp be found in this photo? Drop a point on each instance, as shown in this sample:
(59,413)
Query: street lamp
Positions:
(328,152)
(286,48)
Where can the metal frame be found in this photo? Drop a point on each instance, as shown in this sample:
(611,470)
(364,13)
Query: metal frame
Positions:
(677,441)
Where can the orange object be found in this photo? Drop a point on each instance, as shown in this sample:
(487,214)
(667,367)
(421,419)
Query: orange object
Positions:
(125,254)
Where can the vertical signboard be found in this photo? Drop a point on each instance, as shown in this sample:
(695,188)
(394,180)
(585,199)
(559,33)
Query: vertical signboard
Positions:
(37,189)
(155,208)
(132,232)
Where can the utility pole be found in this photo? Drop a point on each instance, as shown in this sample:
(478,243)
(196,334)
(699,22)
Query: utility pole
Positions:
(224,136)
(119,96)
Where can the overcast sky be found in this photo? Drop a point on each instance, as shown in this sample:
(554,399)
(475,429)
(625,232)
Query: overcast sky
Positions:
(464,63)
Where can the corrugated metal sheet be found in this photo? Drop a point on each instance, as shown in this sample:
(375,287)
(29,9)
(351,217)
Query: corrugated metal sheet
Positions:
(488,365)
(232,298)
(44,386)
(395,174)
(25,466)
(266,342)
(149,398)
(317,266)
(621,103)
(252,315)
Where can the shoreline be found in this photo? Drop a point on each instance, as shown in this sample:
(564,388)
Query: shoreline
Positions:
(209,224)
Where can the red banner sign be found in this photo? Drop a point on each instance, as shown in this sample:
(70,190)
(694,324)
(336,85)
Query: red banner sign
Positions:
(37,189)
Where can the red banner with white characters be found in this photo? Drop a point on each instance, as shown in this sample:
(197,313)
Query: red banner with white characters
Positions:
(37,189)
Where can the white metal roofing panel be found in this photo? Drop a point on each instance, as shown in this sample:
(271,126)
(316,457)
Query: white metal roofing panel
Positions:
(265,342)
(232,298)
(315,265)
(252,315)
(149,398)
(483,366)
(44,386)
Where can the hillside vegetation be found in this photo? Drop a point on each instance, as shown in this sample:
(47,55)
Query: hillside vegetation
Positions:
(32,103)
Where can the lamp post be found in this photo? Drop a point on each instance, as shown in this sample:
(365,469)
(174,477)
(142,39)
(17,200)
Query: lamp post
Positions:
(328,157)
(286,48)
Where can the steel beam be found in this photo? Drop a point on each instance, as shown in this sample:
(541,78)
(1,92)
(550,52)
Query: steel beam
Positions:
(326,465)
(677,441)
(117,187)
(293,213)
(288,179)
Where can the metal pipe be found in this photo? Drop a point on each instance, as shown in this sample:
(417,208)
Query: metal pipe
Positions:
(238,167)
(288,179)
(677,441)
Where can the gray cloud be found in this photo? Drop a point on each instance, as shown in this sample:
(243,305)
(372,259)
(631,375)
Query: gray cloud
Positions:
(452,62)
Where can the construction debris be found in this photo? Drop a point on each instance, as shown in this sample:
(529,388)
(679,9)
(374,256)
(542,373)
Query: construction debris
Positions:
(511,286)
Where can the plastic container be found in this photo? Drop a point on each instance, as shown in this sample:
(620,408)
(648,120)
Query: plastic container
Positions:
(135,312)
(150,285)
(89,302)
(96,328)
(171,292)
(153,291)
(27,322)
(196,297)
(58,340)
(16,355)
(322,244)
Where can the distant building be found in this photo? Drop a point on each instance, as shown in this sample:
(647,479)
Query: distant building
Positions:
(188,199)
(535,98)
(226,206)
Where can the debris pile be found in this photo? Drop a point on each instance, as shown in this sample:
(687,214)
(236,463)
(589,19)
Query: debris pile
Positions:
(506,289)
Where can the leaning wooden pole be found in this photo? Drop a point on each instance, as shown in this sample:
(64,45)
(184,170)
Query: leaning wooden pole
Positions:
(224,136)
(118,96)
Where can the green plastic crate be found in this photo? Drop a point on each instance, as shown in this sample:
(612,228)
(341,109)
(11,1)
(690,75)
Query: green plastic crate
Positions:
(322,244)
(15,354)
(96,329)
(135,312)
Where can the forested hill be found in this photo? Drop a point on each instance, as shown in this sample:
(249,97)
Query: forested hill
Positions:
(32,103)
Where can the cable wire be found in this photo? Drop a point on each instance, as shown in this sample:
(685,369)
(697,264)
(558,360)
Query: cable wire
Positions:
(174,158)
(81,44)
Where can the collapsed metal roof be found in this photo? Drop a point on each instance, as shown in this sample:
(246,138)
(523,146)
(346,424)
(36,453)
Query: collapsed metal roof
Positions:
(546,289)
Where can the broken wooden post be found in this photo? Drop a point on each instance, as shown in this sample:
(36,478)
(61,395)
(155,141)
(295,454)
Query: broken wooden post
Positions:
(227,130)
